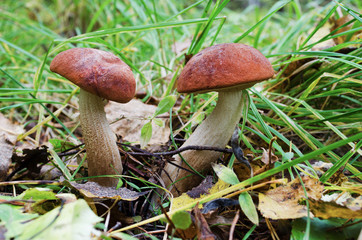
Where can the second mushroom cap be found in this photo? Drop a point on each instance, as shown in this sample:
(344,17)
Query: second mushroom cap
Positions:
(224,66)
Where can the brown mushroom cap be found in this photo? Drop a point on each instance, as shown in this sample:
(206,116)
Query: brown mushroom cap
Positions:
(222,67)
(96,71)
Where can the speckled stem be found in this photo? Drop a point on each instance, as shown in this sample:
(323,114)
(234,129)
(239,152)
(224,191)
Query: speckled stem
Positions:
(215,131)
(100,142)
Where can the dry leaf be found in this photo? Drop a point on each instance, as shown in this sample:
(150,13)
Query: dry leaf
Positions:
(321,33)
(185,199)
(202,188)
(132,116)
(179,47)
(8,135)
(94,190)
(284,202)
(333,210)
(203,229)
(220,222)
(344,199)
(338,23)
(265,157)
(279,209)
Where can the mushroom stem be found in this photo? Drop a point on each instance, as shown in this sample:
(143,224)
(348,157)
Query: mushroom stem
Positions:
(215,131)
(100,142)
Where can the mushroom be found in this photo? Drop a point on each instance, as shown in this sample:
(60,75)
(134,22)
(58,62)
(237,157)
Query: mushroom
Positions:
(100,75)
(228,69)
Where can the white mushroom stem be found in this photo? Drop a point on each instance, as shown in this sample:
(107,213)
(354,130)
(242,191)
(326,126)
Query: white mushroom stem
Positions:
(215,131)
(100,142)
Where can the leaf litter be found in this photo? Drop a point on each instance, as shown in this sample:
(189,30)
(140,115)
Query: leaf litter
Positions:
(128,119)
(283,202)
(8,134)
(286,201)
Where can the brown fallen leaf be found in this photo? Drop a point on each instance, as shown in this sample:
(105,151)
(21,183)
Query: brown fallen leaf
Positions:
(203,229)
(202,188)
(265,157)
(337,23)
(94,190)
(220,222)
(284,202)
(8,135)
(132,116)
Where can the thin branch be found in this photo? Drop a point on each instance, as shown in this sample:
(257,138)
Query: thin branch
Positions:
(200,148)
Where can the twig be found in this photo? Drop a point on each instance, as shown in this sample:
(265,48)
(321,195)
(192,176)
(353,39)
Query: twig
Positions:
(200,148)
(145,153)
(233,224)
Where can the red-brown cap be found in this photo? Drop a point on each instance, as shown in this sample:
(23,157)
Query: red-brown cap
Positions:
(222,67)
(96,71)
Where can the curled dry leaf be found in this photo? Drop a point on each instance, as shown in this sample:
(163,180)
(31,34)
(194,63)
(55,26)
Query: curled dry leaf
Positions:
(128,119)
(203,229)
(284,202)
(265,157)
(8,135)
